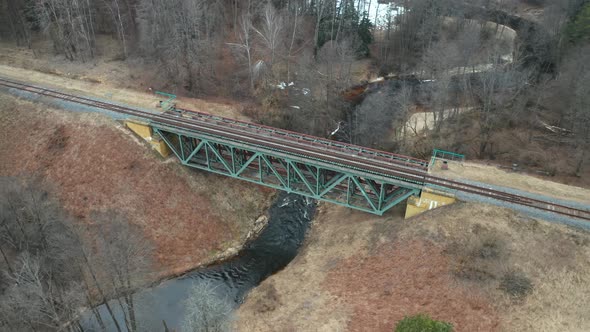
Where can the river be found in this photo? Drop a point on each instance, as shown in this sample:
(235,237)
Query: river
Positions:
(277,244)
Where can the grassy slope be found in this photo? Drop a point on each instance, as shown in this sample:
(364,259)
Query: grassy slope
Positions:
(95,164)
(363,273)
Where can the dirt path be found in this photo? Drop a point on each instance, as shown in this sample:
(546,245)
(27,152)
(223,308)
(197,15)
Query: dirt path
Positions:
(421,121)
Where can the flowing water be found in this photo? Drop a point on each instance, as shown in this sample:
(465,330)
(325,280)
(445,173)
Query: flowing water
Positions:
(277,244)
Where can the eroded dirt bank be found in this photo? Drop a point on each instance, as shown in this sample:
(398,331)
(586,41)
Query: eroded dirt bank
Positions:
(95,165)
(363,273)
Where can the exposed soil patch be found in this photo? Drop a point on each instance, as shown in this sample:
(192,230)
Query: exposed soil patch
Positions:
(190,216)
(407,279)
(270,299)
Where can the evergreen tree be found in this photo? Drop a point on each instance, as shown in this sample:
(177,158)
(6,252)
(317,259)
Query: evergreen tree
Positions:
(343,22)
(579,28)
(365,36)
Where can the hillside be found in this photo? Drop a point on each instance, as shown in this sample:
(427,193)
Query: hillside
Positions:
(458,264)
(95,164)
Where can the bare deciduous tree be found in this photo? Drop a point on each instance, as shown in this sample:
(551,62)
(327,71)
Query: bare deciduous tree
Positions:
(119,262)
(52,273)
(41,255)
(245,45)
(15,13)
(568,97)
(70,24)
(207,310)
(271,30)
(381,114)
(183,35)
(495,89)
(118,17)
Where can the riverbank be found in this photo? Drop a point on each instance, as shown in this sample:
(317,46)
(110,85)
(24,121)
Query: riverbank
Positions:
(460,263)
(173,301)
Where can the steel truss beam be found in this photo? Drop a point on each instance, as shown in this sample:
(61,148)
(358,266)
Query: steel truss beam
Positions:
(349,188)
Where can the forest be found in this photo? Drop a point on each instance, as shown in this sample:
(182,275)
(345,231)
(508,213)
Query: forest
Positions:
(483,71)
(499,84)
(51,269)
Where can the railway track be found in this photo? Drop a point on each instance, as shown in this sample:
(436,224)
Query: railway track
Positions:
(362,159)
(547,206)
(313,140)
(392,168)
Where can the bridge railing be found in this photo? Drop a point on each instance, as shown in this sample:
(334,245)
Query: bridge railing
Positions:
(362,189)
(445,155)
(313,140)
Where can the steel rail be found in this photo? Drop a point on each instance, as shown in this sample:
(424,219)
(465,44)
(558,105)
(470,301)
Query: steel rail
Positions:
(324,145)
(319,156)
(320,149)
(414,175)
(224,132)
(450,184)
(386,156)
(314,152)
(417,176)
(510,198)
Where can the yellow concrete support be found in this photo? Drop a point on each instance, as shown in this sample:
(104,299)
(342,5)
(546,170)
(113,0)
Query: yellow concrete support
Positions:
(144,131)
(429,199)
(159,145)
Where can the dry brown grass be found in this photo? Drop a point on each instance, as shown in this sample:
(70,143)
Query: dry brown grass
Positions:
(405,280)
(348,278)
(104,77)
(191,217)
(491,174)
(88,86)
(304,305)
(539,250)
(362,273)
(560,303)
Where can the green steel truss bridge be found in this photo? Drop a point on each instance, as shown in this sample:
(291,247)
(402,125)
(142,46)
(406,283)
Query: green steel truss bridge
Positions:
(353,176)
(356,177)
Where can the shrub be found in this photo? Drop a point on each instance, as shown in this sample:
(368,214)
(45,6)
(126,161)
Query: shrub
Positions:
(532,159)
(476,258)
(488,247)
(208,309)
(516,284)
(422,323)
